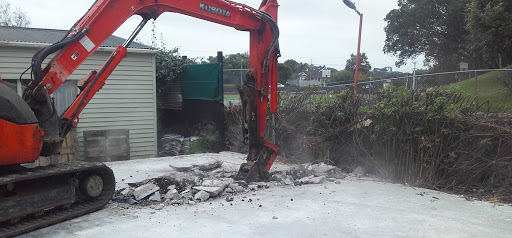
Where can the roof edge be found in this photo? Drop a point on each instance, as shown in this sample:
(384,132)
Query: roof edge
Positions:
(100,49)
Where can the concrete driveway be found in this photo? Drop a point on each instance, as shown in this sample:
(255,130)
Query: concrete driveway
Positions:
(352,208)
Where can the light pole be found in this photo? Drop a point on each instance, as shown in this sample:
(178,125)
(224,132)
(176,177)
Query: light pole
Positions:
(352,5)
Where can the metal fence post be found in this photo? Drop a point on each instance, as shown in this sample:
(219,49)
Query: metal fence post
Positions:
(476,89)
(274,129)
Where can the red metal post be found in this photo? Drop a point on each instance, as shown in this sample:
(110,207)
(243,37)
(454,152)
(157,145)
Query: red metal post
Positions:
(358,61)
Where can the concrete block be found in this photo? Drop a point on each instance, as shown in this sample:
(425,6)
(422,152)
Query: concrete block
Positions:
(213,191)
(145,190)
(155,197)
(127,192)
(202,195)
(216,183)
(172,194)
(317,180)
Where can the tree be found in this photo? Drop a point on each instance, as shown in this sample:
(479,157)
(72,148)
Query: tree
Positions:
(343,76)
(433,28)
(12,17)
(364,64)
(284,73)
(294,65)
(489,23)
(168,67)
(233,61)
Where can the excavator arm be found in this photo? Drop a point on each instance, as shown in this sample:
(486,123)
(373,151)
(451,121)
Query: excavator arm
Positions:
(100,22)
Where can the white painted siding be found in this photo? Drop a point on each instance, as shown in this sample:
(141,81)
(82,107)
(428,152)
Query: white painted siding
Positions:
(127,101)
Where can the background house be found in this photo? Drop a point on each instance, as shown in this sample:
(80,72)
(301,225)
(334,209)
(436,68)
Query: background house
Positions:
(127,101)
(314,75)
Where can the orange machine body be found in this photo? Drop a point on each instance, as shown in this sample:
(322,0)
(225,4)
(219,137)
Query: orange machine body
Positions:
(19,143)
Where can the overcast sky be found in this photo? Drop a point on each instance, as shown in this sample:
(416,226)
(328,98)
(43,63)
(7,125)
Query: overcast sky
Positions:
(322,32)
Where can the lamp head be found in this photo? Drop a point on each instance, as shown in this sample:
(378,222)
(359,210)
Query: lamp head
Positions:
(351,5)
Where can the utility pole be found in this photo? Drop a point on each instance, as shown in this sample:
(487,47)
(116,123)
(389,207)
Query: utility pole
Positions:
(241,69)
(414,78)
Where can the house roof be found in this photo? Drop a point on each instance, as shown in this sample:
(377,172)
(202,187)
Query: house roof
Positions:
(49,36)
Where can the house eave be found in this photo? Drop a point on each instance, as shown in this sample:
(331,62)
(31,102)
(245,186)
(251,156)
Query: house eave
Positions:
(40,45)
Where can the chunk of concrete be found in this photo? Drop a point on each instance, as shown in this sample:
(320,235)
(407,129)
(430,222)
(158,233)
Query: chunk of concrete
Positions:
(317,180)
(207,166)
(181,167)
(159,206)
(202,195)
(237,188)
(172,194)
(213,191)
(321,168)
(127,192)
(222,183)
(145,190)
(155,197)
(288,181)
(229,190)
(304,180)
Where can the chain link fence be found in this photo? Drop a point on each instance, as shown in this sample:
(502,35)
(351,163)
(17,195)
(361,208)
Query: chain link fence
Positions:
(489,89)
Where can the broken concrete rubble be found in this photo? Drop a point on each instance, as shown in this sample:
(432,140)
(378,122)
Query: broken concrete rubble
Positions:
(202,195)
(144,191)
(190,181)
(155,197)
(213,191)
(172,194)
(317,180)
(127,192)
(222,183)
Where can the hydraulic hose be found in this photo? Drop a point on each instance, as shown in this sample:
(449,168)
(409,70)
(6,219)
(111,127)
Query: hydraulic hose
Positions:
(40,56)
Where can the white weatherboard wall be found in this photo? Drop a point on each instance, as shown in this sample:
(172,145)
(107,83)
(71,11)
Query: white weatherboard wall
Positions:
(127,101)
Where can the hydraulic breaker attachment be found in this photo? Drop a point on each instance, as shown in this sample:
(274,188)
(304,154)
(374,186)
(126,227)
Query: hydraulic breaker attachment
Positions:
(257,168)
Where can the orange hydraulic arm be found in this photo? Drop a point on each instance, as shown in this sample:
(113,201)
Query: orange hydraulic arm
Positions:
(105,16)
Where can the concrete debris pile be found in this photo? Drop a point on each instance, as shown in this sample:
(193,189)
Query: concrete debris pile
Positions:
(192,183)
(174,144)
(165,191)
(308,174)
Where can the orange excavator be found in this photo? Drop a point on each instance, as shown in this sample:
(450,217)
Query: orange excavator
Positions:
(31,198)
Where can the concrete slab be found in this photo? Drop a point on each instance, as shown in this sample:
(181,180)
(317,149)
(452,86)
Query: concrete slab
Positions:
(353,208)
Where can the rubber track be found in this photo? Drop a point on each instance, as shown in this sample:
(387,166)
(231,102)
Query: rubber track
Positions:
(60,214)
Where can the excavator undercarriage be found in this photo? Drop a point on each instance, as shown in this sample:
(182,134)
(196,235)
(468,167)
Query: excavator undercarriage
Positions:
(42,196)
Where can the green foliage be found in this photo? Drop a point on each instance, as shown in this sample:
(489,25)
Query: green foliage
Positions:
(284,73)
(168,67)
(294,65)
(233,61)
(342,76)
(364,64)
(490,28)
(436,140)
(206,143)
(433,28)
(490,88)
(432,138)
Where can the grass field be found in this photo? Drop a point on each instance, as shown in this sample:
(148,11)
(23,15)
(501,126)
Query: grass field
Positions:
(488,89)
(231,97)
